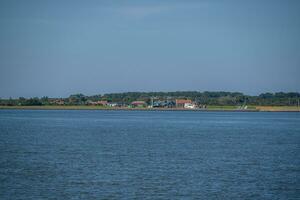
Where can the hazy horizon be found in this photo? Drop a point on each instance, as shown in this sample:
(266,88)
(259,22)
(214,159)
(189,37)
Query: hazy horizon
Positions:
(58,48)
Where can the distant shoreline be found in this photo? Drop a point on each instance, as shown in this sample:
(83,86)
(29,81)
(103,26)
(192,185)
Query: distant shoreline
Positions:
(217,108)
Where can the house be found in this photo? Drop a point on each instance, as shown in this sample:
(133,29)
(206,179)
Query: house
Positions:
(112,104)
(138,104)
(57,101)
(190,106)
(163,104)
(181,102)
(101,103)
(157,104)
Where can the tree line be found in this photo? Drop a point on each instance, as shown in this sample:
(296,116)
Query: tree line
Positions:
(205,98)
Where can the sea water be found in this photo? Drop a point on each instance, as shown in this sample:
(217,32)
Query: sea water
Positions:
(95,154)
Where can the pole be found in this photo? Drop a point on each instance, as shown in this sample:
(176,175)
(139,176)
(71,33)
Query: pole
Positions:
(152,101)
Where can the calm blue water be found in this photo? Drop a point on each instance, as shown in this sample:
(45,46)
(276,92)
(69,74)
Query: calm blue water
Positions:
(149,155)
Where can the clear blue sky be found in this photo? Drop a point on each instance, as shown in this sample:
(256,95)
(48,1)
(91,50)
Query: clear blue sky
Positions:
(55,48)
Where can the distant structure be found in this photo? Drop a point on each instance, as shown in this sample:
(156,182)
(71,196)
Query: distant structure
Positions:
(180,103)
(112,104)
(56,101)
(138,104)
(99,103)
(190,106)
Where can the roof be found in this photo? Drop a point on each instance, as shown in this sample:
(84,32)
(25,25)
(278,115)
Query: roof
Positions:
(138,102)
(183,101)
(101,102)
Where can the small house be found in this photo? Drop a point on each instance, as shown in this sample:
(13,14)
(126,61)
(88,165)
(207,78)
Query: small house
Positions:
(190,106)
(181,102)
(95,103)
(138,104)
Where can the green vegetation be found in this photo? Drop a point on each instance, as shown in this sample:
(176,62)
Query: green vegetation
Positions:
(212,100)
(56,107)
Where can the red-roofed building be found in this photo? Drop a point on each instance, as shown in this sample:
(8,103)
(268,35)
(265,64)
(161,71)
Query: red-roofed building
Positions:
(138,103)
(181,102)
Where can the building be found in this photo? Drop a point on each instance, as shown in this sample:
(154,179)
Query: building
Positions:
(100,103)
(164,104)
(190,106)
(180,103)
(138,104)
(112,104)
(57,101)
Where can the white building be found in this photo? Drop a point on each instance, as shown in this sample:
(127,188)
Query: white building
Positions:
(189,105)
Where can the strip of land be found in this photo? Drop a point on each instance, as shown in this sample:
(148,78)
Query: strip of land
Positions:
(209,108)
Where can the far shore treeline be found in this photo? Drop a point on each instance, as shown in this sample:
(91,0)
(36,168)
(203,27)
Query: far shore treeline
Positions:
(203,98)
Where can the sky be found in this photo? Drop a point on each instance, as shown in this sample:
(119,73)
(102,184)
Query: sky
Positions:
(57,47)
